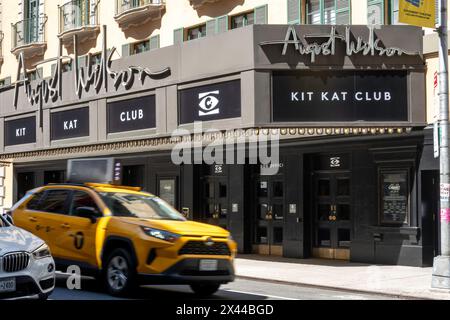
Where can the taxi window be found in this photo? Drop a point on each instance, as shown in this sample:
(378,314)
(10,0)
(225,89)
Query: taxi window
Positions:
(82,199)
(33,204)
(54,201)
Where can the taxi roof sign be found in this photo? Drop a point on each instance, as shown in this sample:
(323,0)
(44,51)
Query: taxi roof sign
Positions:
(94,170)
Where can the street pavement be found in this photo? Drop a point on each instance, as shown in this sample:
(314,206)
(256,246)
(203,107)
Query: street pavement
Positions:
(241,289)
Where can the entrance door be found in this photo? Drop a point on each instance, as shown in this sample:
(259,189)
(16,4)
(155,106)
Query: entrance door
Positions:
(215,201)
(25,182)
(269,215)
(332,212)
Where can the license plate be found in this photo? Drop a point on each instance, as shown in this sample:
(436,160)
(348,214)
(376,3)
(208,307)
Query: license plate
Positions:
(209,265)
(8,285)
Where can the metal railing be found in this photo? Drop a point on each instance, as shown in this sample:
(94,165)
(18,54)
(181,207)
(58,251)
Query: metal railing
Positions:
(28,31)
(78,13)
(125,5)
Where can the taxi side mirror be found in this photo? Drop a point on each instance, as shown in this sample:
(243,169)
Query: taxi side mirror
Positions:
(88,213)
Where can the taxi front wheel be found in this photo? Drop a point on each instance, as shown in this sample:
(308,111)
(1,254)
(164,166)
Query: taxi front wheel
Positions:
(205,290)
(120,273)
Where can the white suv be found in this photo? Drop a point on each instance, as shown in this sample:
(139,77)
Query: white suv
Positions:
(27,269)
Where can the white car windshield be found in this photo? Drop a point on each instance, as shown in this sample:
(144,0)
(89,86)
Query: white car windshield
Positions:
(140,206)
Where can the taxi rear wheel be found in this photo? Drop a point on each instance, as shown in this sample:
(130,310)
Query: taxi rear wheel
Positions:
(120,273)
(206,289)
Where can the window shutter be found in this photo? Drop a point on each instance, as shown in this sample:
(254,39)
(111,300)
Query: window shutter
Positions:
(126,50)
(222,24)
(342,11)
(53,68)
(211,27)
(178,35)
(293,14)
(7,81)
(154,42)
(261,15)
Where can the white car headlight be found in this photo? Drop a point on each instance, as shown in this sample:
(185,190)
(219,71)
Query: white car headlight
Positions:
(42,252)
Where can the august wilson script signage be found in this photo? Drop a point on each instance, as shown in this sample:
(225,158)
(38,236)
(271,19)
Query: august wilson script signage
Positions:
(340,96)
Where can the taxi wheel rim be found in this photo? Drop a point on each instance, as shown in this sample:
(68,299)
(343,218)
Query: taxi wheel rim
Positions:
(118,273)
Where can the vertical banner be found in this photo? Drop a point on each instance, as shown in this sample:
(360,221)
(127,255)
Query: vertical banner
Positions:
(421,13)
(436,109)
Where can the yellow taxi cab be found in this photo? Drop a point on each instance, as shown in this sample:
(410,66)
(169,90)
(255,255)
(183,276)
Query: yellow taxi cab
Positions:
(126,237)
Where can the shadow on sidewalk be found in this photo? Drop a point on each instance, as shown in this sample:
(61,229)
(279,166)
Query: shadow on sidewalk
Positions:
(308,261)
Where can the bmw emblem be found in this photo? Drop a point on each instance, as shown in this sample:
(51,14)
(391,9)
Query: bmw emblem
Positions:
(209,242)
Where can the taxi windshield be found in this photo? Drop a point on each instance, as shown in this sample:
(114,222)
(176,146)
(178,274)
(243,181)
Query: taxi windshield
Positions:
(139,206)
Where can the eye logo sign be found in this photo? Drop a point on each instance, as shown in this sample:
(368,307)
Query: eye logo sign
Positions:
(335,162)
(208,103)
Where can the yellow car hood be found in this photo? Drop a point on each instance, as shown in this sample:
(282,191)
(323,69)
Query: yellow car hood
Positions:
(181,227)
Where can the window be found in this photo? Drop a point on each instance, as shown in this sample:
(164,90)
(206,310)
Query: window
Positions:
(82,199)
(66,66)
(327,11)
(54,201)
(375,12)
(33,204)
(140,47)
(32,75)
(242,20)
(196,32)
(95,59)
(394,11)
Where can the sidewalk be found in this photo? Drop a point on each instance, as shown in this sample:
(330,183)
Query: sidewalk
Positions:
(405,282)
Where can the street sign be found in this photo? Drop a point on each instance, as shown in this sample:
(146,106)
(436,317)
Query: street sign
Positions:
(421,13)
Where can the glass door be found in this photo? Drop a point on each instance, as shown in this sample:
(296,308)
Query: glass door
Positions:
(269,215)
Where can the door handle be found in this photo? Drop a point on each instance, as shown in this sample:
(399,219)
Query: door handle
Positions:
(32,219)
(65,226)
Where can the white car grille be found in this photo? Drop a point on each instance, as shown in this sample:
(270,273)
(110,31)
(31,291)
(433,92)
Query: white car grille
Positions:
(14,262)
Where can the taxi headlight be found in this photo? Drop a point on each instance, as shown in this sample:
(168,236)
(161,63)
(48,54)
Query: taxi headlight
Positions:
(161,234)
(42,252)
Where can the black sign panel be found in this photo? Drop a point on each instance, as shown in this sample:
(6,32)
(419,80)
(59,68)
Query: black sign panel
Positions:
(134,114)
(394,200)
(340,96)
(20,131)
(212,102)
(70,124)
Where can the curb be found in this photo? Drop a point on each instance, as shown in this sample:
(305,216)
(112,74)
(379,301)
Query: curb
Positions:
(308,285)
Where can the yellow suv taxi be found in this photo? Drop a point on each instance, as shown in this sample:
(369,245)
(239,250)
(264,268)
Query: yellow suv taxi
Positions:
(126,237)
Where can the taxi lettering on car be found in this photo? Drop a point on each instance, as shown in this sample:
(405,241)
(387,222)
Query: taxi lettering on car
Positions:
(126,237)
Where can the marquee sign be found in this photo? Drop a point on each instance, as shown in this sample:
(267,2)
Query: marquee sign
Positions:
(327,44)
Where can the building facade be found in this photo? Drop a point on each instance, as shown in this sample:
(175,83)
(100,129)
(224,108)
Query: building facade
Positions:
(336,85)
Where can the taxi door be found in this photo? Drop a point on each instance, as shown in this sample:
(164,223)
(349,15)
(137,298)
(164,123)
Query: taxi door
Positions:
(78,231)
(46,216)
